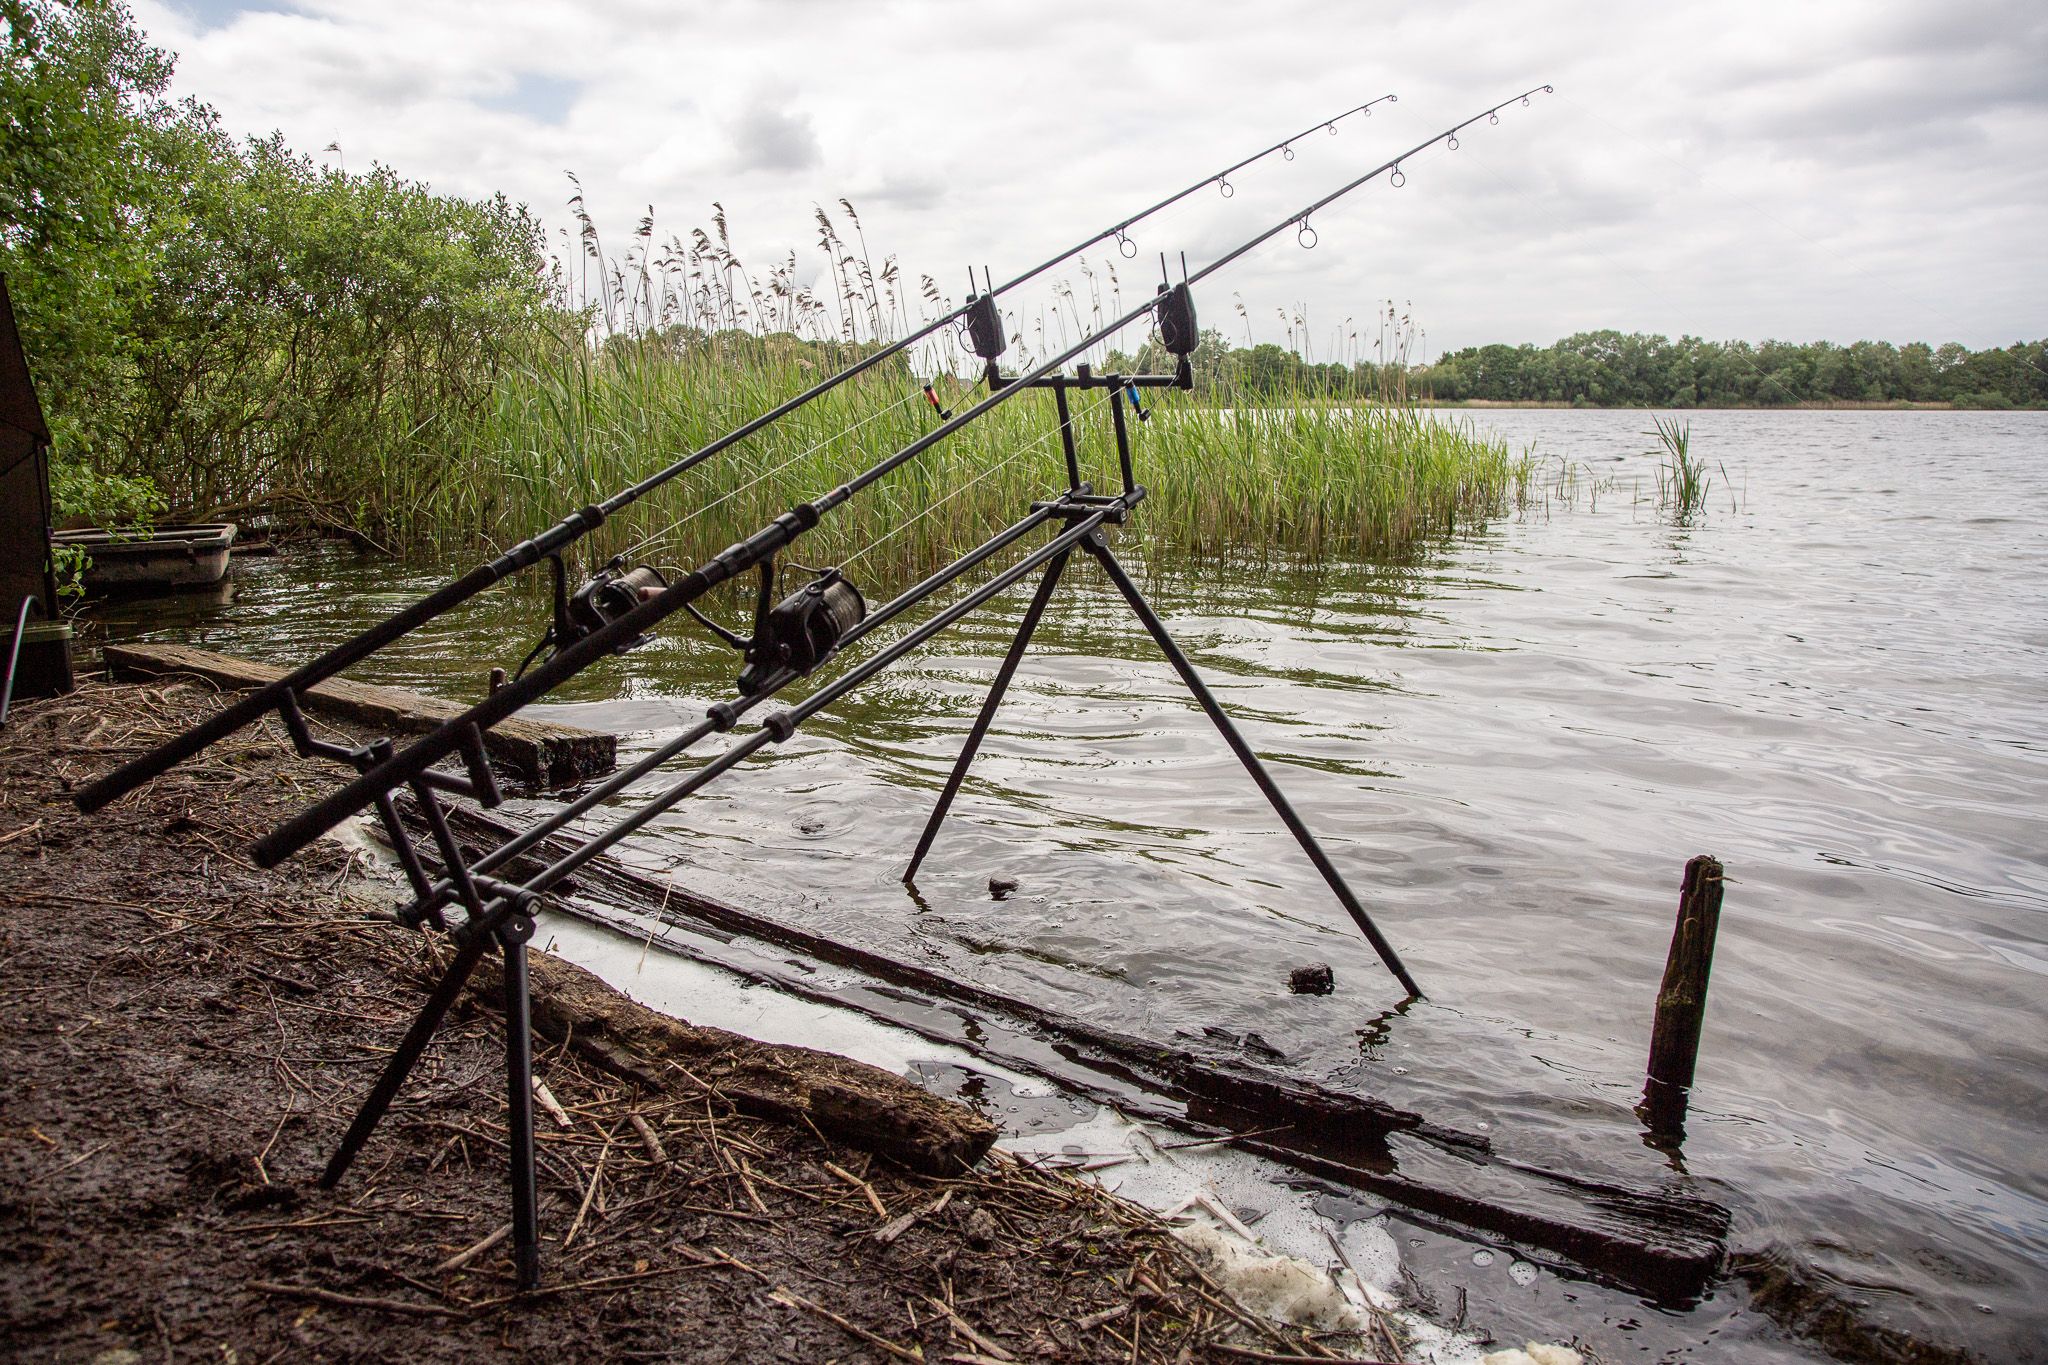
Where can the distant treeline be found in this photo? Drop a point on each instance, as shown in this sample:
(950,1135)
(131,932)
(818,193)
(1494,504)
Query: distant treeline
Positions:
(1615,369)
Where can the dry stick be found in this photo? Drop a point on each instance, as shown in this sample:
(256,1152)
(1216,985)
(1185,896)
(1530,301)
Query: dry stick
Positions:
(551,1104)
(1194,1143)
(740,1214)
(528,1295)
(470,1253)
(1247,1353)
(82,1156)
(1095,1320)
(788,1299)
(966,1329)
(874,1200)
(589,1192)
(746,1174)
(303,1291)
(655,1151)
(1218,1297)
(1372,1309)
(889,1232)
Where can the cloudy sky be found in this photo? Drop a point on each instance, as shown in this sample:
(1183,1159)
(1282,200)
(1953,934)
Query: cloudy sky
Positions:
(1791,168)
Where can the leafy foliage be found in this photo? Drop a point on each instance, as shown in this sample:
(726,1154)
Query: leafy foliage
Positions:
(213,323)
(91,154)
(1610,368)
(311,329)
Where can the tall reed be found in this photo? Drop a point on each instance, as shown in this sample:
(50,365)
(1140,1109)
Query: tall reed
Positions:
(684,343)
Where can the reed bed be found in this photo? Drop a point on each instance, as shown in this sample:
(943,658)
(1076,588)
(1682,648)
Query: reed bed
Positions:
(581,421)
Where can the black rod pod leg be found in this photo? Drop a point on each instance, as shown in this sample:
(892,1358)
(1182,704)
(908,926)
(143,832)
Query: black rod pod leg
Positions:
(512,936)
(1157,629)
(406,1057)
(1025,630)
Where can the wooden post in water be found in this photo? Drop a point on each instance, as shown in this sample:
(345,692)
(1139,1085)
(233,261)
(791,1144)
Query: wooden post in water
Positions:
(1682,999)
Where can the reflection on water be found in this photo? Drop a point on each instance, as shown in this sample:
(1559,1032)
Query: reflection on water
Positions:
(1511,741)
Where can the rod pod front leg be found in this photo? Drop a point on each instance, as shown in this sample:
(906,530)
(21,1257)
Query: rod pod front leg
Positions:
(1025,630)
(509,927)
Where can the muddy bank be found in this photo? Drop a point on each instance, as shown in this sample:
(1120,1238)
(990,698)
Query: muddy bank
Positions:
(184,1038)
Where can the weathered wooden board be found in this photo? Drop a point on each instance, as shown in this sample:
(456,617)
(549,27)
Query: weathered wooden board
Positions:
(539,753)
(1665,1242)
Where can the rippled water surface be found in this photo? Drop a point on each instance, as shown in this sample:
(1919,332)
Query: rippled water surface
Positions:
(1511,740)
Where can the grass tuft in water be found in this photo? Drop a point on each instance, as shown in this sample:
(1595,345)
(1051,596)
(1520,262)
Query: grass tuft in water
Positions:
(1682,480)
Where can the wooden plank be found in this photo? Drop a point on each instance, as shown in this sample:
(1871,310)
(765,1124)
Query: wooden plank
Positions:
(1666,1242)
(539,753)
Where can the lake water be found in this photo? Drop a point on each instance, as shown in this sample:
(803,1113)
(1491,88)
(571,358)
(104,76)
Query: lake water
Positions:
(1835,679)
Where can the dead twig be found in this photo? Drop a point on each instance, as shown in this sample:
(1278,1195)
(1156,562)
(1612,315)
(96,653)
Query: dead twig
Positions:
(790,1299)
(306,1291)
(874,1200)
(471,1252)
(966,1329)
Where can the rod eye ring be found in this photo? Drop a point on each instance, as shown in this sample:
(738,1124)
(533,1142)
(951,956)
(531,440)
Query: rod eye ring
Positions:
(1452,143)
(1331,128)
(1397,179)
(1223,185)
(1493,116)
(1287,152)
(1125,245)
(1305,236)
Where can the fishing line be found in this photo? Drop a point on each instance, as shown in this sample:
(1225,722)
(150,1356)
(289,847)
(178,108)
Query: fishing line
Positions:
(1155,221)
(998,466)
(843,432)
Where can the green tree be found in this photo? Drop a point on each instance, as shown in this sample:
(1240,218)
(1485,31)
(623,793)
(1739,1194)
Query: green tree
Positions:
(91,155)
(310,327)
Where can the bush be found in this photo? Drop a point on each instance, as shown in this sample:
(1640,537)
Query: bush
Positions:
(1992,401)
(212,324)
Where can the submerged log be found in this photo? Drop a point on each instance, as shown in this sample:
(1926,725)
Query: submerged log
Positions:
(861,1105)
(539,753)
(1667,1243)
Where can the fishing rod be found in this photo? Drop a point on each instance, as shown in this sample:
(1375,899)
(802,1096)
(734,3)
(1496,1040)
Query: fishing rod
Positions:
(1174,308)
(574,614)
(724,716)
(791,639)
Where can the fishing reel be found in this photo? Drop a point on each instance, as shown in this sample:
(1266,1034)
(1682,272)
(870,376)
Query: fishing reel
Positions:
(795,635)
(610,593)
(605,596)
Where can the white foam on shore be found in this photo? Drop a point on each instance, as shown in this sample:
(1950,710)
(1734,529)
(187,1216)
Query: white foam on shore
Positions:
(1258,1235)
(703,994)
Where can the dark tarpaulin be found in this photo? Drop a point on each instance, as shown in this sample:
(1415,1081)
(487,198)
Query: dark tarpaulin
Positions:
(24,479)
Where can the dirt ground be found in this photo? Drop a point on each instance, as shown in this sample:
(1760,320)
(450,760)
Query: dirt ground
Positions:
(183,1039)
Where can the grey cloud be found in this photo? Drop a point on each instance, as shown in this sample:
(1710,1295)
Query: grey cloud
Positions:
(771,138)
(918,193)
